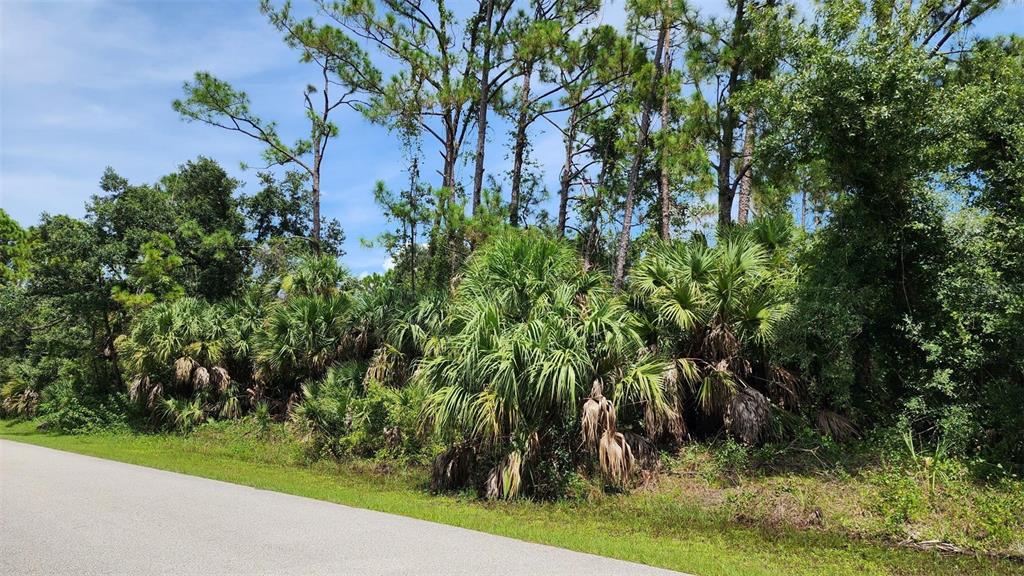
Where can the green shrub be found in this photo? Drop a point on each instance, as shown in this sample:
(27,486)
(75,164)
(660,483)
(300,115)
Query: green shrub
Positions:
(70,407)
(386,422)
(731,457)
(897,497)
(1001,513)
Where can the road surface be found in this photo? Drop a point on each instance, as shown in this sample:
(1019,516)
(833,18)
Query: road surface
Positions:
(64,513)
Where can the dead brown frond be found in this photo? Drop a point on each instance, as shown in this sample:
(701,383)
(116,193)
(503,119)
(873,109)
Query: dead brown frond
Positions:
(220,377)
(200,378)
(835,425)
(255,394)
(137,387)
(616,458)
(785,387)
(599,434)
(505,479)
(748,415)
(645,452)
(183,369)
(452,468)
(387,366)
(597,417)
(143,389)
(156,392)
(293,401)
(720,342)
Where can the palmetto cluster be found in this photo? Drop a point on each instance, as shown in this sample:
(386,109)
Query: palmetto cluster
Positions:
(189,360)
(529,355)
(711,311)
(527,334)
(175,355)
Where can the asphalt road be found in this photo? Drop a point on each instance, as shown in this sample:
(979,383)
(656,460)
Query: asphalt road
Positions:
(63,513)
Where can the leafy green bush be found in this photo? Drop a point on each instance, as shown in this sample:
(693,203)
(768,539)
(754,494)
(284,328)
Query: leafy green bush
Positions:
(72,407)
(898,498)
(341,414)
(387,422)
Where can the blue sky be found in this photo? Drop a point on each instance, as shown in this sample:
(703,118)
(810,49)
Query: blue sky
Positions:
(88,84)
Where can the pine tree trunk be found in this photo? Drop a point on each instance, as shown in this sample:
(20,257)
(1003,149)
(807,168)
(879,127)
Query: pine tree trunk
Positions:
(590,246)
(634,175)
(414,176)
(666,205)
(481,110)
(762,71)
(316,200)
(450,157)
(565,180)
(746,179)
(412,256)
(520,146)
(726,190)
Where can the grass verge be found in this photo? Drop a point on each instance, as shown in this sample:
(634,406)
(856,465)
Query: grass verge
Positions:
(648,528)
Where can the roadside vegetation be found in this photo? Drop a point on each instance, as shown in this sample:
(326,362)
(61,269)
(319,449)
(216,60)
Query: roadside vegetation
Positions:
(694,520)
(776,317)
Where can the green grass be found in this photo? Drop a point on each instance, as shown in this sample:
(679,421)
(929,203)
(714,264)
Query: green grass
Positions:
(653,529)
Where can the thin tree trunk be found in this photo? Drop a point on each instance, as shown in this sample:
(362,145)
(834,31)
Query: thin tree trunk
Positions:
(803,210)
(634,175)
(746,179)
(450,157)
(726,190)
(109,341)
(414,176)
(590,246)
(481,109)
(520,146)
(412,256)
(565,181)
(666,204)
(761,72)
(316,200)
(627,216)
